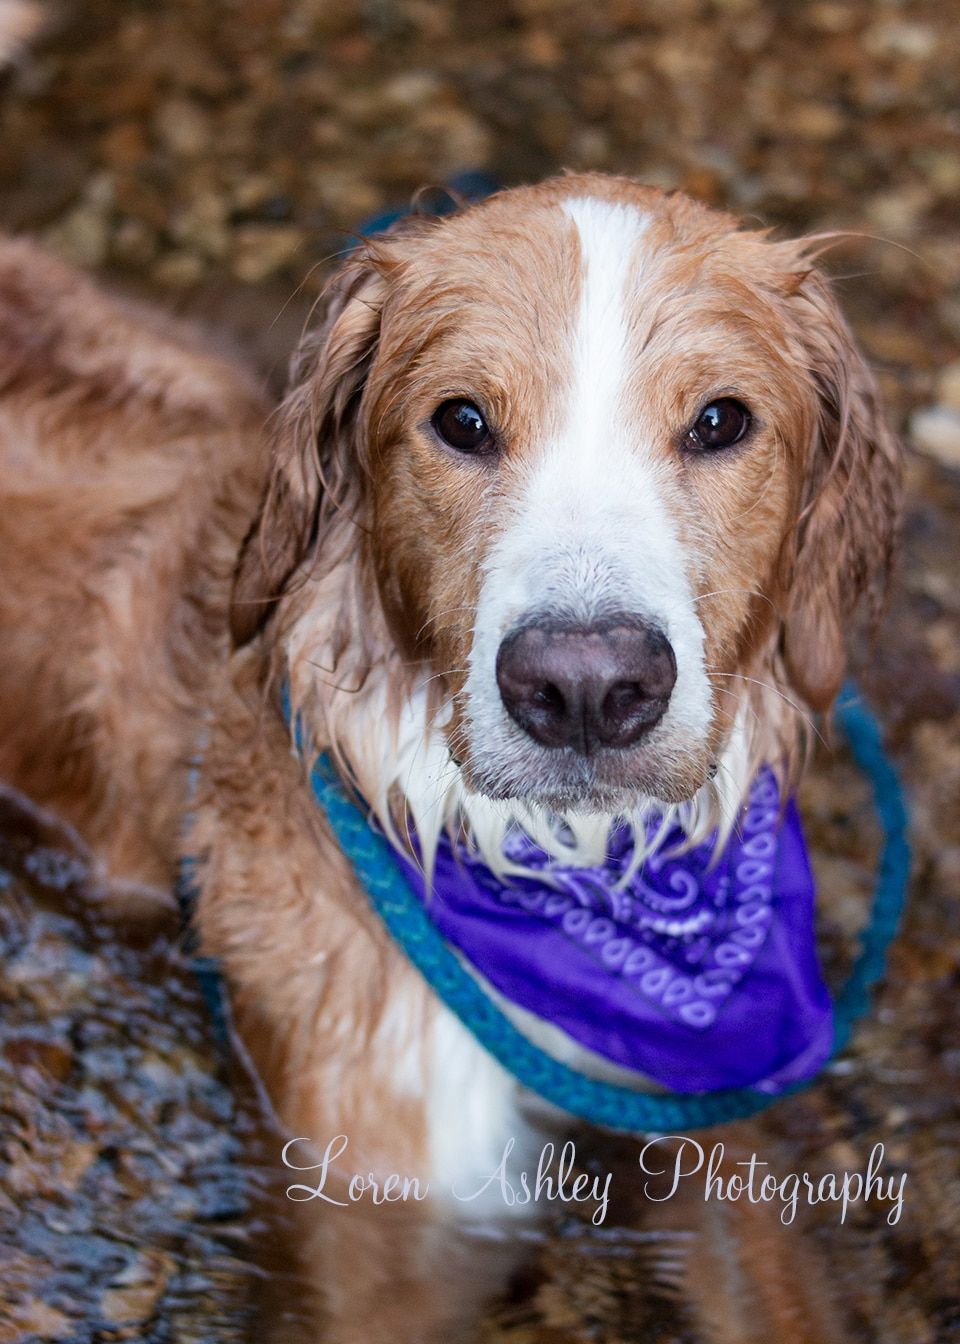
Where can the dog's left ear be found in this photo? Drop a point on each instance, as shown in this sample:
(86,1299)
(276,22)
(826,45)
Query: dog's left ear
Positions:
(842,548)
(318,447)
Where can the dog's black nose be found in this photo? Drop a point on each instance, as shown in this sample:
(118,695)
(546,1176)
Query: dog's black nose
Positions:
(586,687)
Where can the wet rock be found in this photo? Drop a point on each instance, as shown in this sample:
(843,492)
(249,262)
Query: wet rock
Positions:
(948,387)
(82,236)
(178,270)
(121,1176)
(916,41)
(941,167)
(134,243)
(33,1319)
(817,121)
(124,145)
(345,193)
(252,193)
(182,127)
(937,431)
(898,212)
(134,1293)
(201,226)
(259,251)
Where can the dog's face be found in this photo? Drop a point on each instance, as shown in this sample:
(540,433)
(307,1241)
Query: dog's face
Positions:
(610,460)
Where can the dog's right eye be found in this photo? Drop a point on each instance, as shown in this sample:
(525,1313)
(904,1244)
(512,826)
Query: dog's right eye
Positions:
(461,425)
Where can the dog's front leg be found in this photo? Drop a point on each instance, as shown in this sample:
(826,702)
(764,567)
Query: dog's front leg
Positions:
(368,1275)
(408,1177)
(353,1046)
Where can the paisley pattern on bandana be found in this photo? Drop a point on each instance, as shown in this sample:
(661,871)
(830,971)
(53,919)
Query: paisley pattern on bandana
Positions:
(699,973)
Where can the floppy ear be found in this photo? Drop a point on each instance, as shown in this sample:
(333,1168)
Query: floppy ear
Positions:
(844,540)
(316,453)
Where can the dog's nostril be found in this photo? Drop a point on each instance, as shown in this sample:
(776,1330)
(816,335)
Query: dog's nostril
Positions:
(586,687)
(550,697)
(623,697)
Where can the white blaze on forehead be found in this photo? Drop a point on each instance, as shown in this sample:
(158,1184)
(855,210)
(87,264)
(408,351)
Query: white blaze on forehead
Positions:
(609,236)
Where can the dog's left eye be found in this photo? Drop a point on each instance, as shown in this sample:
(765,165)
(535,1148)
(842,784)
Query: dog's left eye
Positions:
(721,424)
(461,425)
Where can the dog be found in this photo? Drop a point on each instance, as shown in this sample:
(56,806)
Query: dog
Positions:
(571,504)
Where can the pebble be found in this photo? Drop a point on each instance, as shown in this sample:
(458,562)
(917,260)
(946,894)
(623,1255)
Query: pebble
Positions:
(948,386)
(201,226)
(897,212)
(253,191)
(124,145)
(937,431)
(915,41)
(134,243)
(82,236)
(346,193)
(182,127)
(941,168)
(817,121)
(31,1319)
(261,250)
(177,270)
(411,89)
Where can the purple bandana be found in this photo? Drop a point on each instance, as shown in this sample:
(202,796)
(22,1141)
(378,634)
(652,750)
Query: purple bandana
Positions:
(698,977)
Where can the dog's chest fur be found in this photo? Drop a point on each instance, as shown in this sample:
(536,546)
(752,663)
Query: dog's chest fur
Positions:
(339,1023)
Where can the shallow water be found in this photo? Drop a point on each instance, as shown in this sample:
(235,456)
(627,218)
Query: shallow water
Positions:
(125,1197)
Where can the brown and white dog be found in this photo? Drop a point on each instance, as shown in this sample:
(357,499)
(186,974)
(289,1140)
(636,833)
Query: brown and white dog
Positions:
(572,501)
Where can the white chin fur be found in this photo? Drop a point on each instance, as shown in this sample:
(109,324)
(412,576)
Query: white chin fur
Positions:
(405,755)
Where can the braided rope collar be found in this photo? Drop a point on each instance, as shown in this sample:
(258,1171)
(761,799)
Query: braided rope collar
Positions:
(386,879)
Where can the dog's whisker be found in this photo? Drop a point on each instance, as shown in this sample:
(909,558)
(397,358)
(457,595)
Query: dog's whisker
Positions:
(720,592)
(768,686)
(439,615)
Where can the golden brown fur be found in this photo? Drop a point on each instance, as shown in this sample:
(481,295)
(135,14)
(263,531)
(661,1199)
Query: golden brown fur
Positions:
(129,463)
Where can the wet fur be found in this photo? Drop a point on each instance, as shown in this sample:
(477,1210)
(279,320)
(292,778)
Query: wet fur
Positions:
(130,462)
(358,584)
(372,562)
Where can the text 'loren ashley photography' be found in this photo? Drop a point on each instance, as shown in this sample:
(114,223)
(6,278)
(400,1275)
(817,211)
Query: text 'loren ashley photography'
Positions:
(552,1179)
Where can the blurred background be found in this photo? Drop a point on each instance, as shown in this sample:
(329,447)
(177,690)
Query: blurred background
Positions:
(213,156)
(214,151)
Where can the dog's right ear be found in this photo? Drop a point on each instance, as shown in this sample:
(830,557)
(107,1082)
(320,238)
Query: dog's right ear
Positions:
(315,445)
